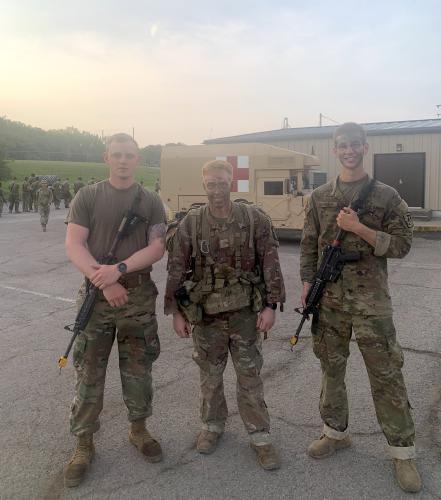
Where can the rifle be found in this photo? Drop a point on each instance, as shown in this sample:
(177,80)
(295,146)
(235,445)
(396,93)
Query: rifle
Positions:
(129,221)
(331,267)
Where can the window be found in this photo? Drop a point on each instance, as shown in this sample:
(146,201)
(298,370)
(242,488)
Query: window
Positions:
(273,188)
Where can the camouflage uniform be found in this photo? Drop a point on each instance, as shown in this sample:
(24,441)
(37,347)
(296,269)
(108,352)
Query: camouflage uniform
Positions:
(78,185)
(35,186)
(360,301)
(43,202)
(232,258)
(138,348)
(134,325)
(26,193)
(14,196)
(56,190)
(65,189)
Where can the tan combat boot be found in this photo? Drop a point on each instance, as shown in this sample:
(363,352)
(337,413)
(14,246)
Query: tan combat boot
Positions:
(407,475)
(326,446)
(207,441)
(267,456)
(140,437)
(76,469)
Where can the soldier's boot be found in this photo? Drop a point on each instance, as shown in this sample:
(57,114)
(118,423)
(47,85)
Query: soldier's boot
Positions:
(43,226)
(207,441)
(326,446)
(407,475)
(140,437)
(267,456)
(76,469)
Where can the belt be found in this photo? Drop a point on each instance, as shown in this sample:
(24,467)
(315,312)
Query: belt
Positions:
(134,280)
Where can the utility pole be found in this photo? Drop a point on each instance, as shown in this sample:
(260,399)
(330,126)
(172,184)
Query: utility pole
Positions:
(321,116)
(133,133)
(285,123)
(438,110)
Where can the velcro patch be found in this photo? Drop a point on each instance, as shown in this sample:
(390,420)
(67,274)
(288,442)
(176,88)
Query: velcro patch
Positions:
(408,220)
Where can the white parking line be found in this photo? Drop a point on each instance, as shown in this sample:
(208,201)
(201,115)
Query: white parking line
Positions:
(38,294)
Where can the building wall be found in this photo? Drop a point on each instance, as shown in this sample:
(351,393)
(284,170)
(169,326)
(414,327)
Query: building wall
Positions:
(430,144)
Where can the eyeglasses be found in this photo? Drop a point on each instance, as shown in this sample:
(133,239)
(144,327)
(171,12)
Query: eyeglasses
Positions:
(344,146)
(221,186)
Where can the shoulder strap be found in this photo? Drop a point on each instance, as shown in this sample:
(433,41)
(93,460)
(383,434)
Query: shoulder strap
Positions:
(362,197)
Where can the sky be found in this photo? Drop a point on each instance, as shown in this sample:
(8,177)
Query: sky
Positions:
(187,71)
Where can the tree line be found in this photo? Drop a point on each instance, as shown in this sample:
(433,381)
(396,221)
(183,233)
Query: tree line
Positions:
(19,141)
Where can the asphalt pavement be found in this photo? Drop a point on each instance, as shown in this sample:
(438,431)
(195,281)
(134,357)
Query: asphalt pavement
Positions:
(37,289)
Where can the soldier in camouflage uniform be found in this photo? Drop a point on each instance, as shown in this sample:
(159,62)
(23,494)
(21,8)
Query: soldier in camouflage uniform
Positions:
(125,307)
(56,190)
(14,196)
(359,302)
(65,190)
(43,202)
(236,283)
(78,184)
(2,199)
(26,194)
(35,186)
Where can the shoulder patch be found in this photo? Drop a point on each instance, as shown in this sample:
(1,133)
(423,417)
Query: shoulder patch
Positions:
(407,217)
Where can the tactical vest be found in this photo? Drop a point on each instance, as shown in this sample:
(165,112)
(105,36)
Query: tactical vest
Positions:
(219,288)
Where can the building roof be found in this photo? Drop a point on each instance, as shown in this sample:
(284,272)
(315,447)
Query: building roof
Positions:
(379,128)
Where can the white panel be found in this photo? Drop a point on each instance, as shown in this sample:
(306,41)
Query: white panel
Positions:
(243,186)
(243,162)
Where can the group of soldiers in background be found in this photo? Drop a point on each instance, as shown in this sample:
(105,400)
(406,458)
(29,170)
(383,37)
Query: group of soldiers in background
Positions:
(38,193)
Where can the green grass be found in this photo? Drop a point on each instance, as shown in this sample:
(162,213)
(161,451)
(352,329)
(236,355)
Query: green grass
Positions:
(73,170)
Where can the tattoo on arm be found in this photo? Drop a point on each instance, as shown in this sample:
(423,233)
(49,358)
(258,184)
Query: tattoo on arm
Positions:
(157,231)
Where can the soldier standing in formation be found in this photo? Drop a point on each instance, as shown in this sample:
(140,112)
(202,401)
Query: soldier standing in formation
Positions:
(14,196)
(35,186)
(43,202)
(26,194)
(359,302)
(65,190)
(78,184)
(157,186)
(231,252)
(56,190)
(2,199)
(125,304)
(91,181)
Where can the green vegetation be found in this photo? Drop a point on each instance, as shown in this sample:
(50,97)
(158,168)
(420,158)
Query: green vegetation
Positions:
(73,170)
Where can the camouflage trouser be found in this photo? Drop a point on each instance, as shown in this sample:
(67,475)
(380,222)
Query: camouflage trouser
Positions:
(44,210)
(57,202)
(138,347)
(14,204)
(383,357)
(212,340)
(26,200)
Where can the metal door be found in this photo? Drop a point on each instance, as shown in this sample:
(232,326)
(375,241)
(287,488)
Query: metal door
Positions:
(405,172)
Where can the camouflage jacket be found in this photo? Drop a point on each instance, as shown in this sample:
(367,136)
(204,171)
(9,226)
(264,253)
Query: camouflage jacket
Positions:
(260,254)
(25,187)
(2,196)
(14,190)
(362,287)
(44,197)
(56,189)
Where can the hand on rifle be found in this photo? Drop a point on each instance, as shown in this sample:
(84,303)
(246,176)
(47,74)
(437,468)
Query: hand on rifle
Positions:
(116,295)
(104,275)
(347,220)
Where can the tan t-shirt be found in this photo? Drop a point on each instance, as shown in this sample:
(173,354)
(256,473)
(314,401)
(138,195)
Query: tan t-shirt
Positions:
(101,207)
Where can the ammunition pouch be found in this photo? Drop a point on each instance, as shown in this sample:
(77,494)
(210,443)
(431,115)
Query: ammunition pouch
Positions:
(191,311)
(228,298)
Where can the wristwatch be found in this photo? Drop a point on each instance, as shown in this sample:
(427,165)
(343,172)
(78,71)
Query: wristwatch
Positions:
(271,306)
(122,267)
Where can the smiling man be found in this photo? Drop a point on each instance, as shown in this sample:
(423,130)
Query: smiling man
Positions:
(359,302)
(223,287)
(125,307)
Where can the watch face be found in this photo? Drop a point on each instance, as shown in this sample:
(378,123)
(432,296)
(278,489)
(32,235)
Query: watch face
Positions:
(122,268)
